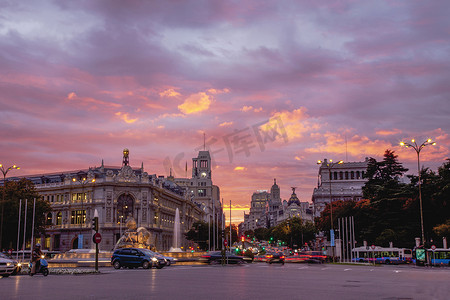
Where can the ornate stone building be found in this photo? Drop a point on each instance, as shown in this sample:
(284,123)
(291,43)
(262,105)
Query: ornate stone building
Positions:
(345,183)
(267,209)
(116,193)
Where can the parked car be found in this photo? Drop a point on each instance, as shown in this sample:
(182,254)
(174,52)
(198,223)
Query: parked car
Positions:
(277,257)
(216,257)
(136,257)
(8,266)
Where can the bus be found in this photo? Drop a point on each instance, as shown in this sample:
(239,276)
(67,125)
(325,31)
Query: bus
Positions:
(382,255)
(437,257)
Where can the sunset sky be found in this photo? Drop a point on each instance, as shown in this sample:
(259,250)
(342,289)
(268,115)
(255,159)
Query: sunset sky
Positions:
(273,85)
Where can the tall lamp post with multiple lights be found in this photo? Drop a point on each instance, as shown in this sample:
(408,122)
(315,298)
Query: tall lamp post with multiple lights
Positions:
(4,171)
(418,148)
(329,165)
(83,181)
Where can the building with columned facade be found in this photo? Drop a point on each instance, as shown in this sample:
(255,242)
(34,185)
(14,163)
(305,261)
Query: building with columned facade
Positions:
(345,183)
(117,193)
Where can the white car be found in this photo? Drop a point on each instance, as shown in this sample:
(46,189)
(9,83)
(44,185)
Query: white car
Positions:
(170,260)
(8,266)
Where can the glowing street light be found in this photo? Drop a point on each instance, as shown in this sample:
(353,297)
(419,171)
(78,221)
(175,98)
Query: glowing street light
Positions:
(418,148)
(4,171)
(329,165)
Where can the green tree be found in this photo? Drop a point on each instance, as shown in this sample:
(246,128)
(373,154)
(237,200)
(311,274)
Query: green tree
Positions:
(442,230)
(294,231)
(234,234)
(249,234)
(14,191)
(262,234)
(383,177)
(199,234)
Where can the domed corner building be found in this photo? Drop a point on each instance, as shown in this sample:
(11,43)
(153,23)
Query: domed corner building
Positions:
(293,207)
(116,193)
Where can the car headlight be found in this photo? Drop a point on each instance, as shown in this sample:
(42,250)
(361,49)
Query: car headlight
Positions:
(42,256)
(154,259)
(9,264)
(19,264)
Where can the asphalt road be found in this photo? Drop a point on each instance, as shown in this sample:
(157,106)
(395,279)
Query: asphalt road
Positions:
(250,281)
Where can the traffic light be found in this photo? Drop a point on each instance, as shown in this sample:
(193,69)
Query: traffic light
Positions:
(95,223)
(242,238)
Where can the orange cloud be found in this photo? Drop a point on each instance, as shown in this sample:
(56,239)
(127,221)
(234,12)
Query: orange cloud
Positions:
(214,91)
(125,117)
(169,93)
(246,108)
(249,108)
(240,168)
(388,132)
(71,96)
(356,145)
(195,103)
(294,123)
(224,124)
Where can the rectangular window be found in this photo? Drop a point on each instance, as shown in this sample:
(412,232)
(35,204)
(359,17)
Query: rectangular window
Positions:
(201,193)
(78,217)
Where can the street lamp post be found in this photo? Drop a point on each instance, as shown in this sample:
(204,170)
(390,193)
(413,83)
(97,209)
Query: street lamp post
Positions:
(4,171)
(329,165)
(83,181)
(418,148)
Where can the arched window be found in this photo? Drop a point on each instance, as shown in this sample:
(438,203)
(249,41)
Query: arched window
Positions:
(346,175)
(59,218)
(357,175)
(335,176)
(341,175)
(49,219)
(125,207)
(362,174)
(352,175)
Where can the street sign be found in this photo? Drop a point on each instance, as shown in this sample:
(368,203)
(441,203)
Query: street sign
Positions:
(433,247)
(373,247)
(225,243)
(332,237)
(97,238)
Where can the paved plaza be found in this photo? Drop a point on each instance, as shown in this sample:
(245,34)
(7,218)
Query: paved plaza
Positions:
(250,281)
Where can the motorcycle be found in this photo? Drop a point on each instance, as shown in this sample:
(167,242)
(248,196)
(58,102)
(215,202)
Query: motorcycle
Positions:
(43,268)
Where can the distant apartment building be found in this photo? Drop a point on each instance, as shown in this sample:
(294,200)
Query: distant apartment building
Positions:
(340,182)
(267,209)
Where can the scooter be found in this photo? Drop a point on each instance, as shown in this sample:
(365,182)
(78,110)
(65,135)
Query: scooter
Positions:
(43,268)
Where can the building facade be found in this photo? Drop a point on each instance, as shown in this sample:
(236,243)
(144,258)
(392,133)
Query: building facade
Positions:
(117,193)
(267,210)
(340,182)
(201,189)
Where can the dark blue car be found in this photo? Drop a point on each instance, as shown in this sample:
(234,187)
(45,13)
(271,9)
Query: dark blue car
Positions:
(136,257)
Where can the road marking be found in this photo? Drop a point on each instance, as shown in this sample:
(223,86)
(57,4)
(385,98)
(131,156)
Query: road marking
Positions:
(324,269)
(303,268)
(371,270)
(347,270)
(397,271)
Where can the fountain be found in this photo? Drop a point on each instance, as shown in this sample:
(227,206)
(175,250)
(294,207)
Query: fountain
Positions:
(133,236)
(176,234)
